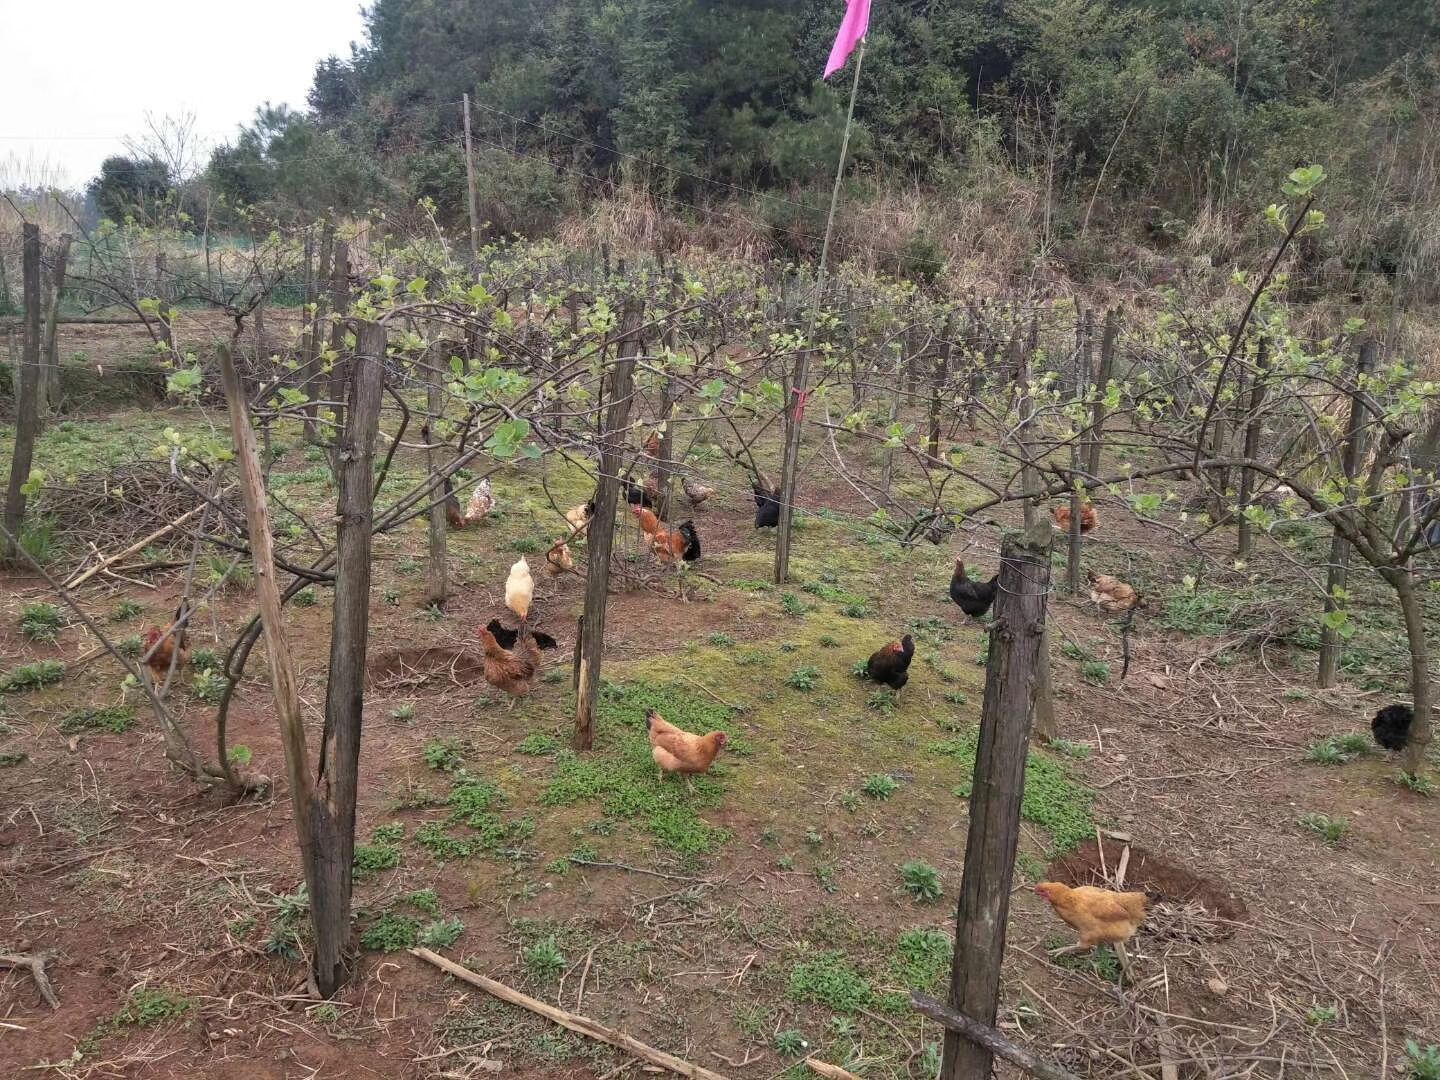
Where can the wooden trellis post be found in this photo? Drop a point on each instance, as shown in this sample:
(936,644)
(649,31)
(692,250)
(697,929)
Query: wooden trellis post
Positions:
(590,641)
(1011,684)
(27,390)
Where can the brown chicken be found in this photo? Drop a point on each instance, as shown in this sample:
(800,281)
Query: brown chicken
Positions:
(1102,916)
(512,670)
(678,751)
(671,545)
(1112,595)
(1088,518)
(557,559)
(161,645)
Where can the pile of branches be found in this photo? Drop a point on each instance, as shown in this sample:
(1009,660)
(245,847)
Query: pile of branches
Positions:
(111,509)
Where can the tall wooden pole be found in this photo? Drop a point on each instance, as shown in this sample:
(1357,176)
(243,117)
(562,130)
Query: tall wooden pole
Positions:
(27,392)
(800,385)
(50,367)
(601,536)
(1339,568)
(1011,683)
(437,583)
(1102,379)
(470,184)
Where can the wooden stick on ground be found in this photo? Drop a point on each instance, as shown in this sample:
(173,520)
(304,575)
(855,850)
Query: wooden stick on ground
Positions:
(81,578)
(830,1072)
(581,1024)
(988,1037)
(35,964)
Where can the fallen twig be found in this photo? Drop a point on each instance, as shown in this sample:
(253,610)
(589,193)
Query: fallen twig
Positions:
(583,1025)
(989,1038)
(35,963)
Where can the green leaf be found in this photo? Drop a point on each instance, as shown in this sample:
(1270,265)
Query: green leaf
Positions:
(417,286)
(1303,181)
(35,484)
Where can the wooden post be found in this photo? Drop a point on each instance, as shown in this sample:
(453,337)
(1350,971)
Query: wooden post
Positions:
(470,185)
(1044,700)
(339,305)
(665,466)
(1339,567)
(940,375)
(887,464)
(1244,536)
(345,687)
(794,429)
(601,536)
(49,397)
(284,688)
(1082,374)
(27,392)
(1103,375)
(437,587)
(1011,684)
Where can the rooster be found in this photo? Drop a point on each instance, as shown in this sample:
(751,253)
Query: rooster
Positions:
(767,506)
(670,545)
(1102,916)
(697,493)
(1088,518)
(520,589)
(974,597)
(514,669)
(891,665)
(678,751)
(506,637)
(1391,726)
(161,647)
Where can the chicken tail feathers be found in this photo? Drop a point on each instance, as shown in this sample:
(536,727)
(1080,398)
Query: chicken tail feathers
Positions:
(692,541)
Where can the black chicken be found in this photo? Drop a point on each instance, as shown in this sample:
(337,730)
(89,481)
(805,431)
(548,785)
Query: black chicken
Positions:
(1391,726)
(891,665)
(767,507)
(974,597)
(506,637)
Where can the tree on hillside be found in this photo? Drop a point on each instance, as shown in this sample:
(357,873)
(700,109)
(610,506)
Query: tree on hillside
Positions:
(129,186)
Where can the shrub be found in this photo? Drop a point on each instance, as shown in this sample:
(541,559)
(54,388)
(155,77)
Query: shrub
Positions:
(41,622)
(922,881)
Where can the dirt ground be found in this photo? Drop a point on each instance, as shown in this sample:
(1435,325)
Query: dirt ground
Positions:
(768,902)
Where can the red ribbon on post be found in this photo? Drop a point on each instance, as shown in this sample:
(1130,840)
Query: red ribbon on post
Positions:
(800,396)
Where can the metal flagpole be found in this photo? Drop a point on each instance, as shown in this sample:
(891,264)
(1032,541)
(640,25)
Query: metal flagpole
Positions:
(801,384)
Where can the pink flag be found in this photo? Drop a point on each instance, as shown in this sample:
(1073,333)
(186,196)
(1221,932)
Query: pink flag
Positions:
(852,29)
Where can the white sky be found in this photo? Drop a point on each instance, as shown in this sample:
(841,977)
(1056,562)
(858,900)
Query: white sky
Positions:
(77,76)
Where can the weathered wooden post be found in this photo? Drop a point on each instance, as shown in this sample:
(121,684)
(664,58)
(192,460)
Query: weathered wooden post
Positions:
(1011,685)
(27,391)
(1339,567)
(940,376)
(1082,375)
(50,368)
(789,481)
(437,584)
(1103,375)
(600,539)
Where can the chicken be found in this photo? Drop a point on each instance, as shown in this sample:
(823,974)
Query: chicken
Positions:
(512,670)
(697,493)
(652,487)
(482,501)
(974,597)
(520,589)
(1111,594)
(652,444)
(579,516)
(1102,916)
(1088,518)
(638,496)
(1391,726)
(670,545)
(767,506)
(506,637)
(557,559)
(160,649)
(891,665)
(678,751)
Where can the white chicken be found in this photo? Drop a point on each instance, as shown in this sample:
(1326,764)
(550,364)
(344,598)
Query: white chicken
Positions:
(520,589)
